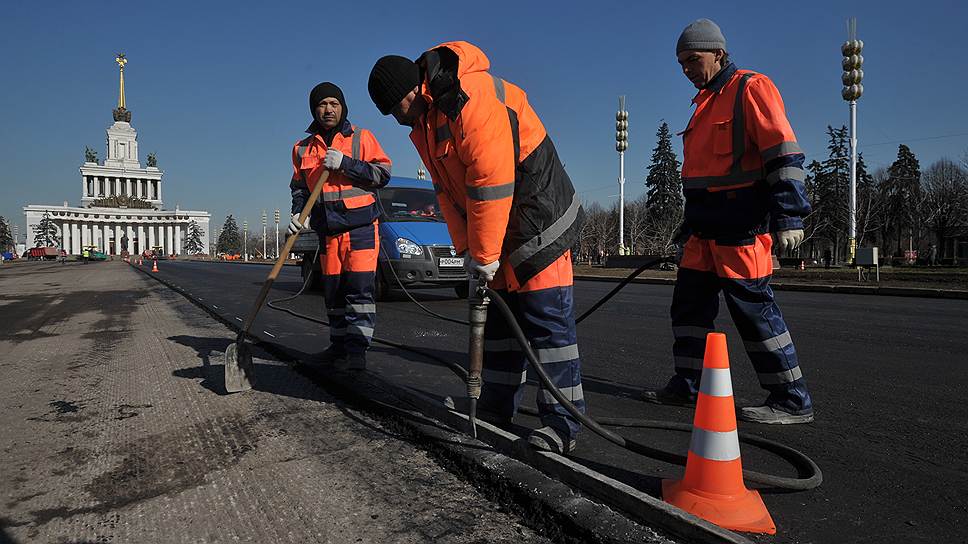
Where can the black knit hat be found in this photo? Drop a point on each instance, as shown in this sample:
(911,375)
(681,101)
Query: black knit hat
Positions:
(327,90)
(392,78)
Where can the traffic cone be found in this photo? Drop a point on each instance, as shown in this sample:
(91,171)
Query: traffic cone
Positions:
(154,268)
(712,487)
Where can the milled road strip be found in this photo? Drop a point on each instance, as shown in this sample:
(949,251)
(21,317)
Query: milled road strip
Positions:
(114,432)
(640,506)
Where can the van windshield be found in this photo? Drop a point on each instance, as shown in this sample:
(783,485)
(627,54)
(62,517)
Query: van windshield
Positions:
(409,204)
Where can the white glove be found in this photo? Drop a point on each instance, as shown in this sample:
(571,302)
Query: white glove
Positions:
(478,270)
(787,240)
(294,225)
(333,159)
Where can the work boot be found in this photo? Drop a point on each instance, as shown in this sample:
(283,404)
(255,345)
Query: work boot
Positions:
(772,415)
(352,361)
(547,439)
(668,397)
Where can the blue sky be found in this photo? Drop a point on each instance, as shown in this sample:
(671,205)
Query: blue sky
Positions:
(218,90)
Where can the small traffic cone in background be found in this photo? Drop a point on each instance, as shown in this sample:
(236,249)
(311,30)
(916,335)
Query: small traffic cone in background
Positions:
(712,487)
(154,268)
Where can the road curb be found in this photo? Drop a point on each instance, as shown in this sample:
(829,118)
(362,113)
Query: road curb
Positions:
(556,498)
(921,292)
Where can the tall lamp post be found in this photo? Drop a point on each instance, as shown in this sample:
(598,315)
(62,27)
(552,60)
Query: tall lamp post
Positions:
(621,144)
(263,234)
(852,91)
(276,217)
(245,240)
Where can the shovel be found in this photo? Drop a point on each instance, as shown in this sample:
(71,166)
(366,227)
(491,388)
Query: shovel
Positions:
(238,359)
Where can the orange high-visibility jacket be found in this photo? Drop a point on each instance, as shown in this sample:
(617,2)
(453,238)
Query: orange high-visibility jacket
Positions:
(347,201)
(742,170)
(499,182)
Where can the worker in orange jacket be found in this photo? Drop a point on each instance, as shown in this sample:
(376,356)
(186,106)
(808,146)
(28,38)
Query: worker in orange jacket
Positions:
(345,218)
(510,208)
(742,176)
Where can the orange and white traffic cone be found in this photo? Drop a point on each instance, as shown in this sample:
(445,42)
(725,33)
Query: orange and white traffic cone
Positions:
(154,268)
(712,487)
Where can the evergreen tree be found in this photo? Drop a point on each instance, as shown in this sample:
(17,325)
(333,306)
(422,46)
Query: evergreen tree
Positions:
(664,181)
(6,238)
(230,239)
(193,241)
(45,232)
(664,199)
(903,195)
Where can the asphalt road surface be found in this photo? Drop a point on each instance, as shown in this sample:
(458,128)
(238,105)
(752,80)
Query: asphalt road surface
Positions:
(886,374)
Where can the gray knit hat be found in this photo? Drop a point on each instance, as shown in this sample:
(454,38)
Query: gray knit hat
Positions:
(701,35)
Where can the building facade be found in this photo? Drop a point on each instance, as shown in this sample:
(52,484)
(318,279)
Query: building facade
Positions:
(121,207)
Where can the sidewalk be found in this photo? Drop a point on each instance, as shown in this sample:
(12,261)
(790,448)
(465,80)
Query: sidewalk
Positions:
(113,433)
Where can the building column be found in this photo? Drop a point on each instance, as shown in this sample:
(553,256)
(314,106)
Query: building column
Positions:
(178,238)
(117,238)
(130,232)
(141,237)
(151,235)
(66,236)
(169,243)
(75,239)
(106,239)
(84,239)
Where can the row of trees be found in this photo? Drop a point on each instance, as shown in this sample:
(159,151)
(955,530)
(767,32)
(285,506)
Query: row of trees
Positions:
(900,208)
(230,240)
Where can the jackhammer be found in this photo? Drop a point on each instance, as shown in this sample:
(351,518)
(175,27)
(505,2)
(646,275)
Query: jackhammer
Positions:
(477,306)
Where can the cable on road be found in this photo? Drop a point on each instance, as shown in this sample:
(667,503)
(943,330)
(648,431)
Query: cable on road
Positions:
(809,474)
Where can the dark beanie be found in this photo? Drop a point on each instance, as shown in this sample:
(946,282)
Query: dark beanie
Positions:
(392,78)
(327,90)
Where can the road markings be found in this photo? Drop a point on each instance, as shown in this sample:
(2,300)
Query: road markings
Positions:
(214,306)
(239,319)
(269,333)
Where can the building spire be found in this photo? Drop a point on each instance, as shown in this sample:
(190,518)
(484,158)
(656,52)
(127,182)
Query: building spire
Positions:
(120,113)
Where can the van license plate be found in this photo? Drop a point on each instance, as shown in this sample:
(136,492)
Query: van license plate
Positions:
(452,261)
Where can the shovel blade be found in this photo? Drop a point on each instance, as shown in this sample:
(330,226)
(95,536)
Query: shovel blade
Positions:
(238,368)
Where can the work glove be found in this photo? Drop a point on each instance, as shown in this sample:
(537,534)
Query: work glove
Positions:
(787,240)
(333,159)
(478,270)
(294,225)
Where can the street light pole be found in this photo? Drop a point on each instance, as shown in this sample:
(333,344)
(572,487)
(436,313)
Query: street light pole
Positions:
(853,89)
(621,144)
(245,240)
(277,233)
(263,234)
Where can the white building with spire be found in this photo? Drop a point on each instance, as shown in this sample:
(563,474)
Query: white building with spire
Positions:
(121,206)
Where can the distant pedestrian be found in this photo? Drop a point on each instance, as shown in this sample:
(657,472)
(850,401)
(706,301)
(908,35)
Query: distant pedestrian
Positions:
(933,255)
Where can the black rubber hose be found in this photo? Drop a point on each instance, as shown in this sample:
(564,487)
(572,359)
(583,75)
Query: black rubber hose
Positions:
(811,476)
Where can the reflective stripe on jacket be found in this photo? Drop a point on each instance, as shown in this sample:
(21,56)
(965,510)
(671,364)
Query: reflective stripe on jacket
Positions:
(742,171)
(346,201)
(500,184)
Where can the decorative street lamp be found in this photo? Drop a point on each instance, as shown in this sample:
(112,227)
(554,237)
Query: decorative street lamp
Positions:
(621,144)
(852,91)
(245,239)
(263,234)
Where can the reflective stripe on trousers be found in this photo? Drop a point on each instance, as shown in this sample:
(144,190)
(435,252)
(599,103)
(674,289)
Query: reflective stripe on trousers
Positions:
(349,275)
(695,304)
(547,318)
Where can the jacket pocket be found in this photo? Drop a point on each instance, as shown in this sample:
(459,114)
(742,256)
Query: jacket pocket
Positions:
(723,137)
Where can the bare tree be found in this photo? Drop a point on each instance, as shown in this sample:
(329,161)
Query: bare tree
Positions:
(636,224)
(945,207)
